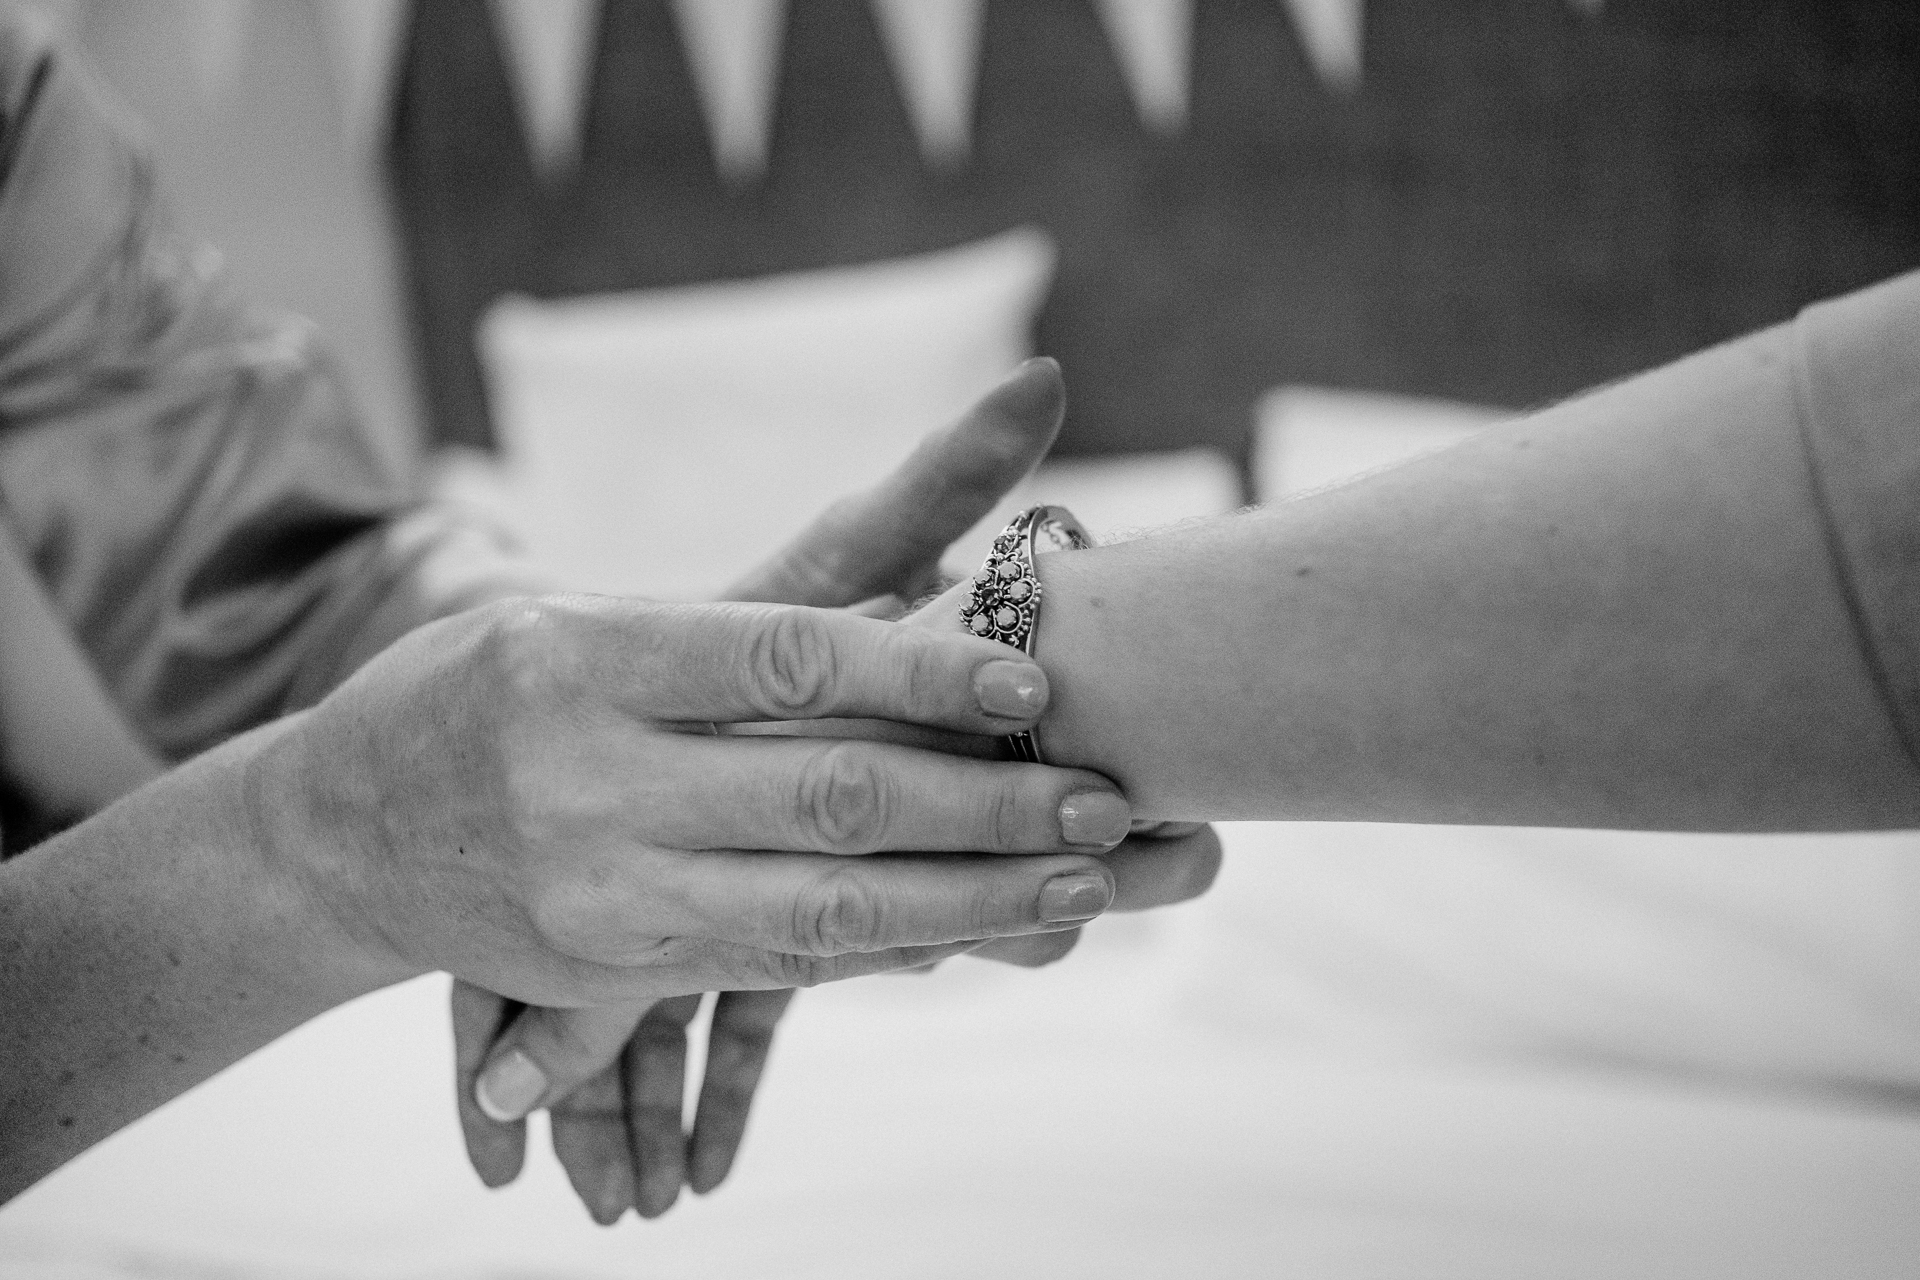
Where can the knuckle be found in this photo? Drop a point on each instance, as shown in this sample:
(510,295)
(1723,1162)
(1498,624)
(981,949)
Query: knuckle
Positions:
(560,923)
(924,678)
(791,664)
(582,919)
(846,800)
(1005,818)
(520,644)
(836,913)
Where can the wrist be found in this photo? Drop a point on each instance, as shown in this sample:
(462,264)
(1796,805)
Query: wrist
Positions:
(310,864)
(1067,645)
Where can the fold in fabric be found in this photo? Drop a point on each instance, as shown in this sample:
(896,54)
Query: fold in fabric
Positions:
(1857,369)
(204,505)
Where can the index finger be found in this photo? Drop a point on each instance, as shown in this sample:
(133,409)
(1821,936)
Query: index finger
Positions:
(751,662)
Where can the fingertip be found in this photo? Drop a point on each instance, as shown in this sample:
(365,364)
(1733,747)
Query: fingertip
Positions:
(1094,818)
(495,1179)
(655,1197)
(1012,689)
(710,1169)
(1076,896)
(1045,367)
(615,1198)
(1037,389)
(510,1086)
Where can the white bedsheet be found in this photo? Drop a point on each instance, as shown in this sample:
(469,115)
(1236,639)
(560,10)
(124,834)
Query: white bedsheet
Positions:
(1095,1119)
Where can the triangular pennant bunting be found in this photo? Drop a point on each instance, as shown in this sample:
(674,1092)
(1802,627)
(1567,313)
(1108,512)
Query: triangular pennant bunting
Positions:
(217,32)
(67,15)
(549,46)
(1331,32)
(934,46)
(1154,42)
(363,38)
(733,50)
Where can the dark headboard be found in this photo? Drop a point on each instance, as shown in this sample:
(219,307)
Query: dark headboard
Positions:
(1521,198)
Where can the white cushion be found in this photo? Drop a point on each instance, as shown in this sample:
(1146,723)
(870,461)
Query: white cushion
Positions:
(662,442)
(989,1121)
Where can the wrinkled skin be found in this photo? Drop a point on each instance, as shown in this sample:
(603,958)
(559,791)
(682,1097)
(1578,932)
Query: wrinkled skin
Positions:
(618,1070)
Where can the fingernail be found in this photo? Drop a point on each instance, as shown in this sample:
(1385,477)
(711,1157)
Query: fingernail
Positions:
(1080,896)
(1094,817)
(510,1087)
(1015,690)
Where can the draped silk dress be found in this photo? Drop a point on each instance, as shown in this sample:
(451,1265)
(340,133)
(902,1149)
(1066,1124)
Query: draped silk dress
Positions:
(189,496)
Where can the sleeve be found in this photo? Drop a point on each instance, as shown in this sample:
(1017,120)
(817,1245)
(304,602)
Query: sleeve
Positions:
(1857,374)
(204,505)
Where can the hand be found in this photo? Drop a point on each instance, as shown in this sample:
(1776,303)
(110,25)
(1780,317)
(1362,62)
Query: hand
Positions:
(877,550)
(617,1071)
(1161,864)
(617,1132)
(887,540)
(513,795)
(618,1075)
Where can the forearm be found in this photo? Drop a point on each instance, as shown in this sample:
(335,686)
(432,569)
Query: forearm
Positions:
(1620,612)
(144,950)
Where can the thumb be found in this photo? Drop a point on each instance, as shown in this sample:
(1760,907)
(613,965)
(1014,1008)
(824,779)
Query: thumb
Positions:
(545,1054)
(890,538)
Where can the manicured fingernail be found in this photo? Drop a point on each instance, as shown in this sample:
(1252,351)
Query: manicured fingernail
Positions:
(1080,896)
(1015,690)
(1094,817)
(510,1087)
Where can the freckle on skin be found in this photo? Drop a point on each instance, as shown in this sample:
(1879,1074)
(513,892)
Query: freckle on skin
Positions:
(144,1038)
(1096,602)
(179,1059)
(66,1122)
(1304,571)
(173,958)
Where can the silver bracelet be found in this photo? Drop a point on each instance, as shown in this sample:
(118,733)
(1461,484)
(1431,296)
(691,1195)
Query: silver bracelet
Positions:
(1004,604)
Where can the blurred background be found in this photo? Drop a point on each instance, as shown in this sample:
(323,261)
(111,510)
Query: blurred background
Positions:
(653,281)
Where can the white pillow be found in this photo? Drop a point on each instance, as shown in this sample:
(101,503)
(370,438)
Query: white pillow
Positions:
(1308,437)
(661,442)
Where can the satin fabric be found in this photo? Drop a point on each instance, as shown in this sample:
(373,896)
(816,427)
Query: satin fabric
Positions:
(186,475)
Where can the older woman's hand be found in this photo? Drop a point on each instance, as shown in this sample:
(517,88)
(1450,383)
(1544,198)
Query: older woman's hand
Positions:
(874,550)
(620,1069)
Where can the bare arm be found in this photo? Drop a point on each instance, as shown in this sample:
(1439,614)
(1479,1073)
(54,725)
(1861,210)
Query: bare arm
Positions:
(140,953)
(1621,612)
(511,795)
